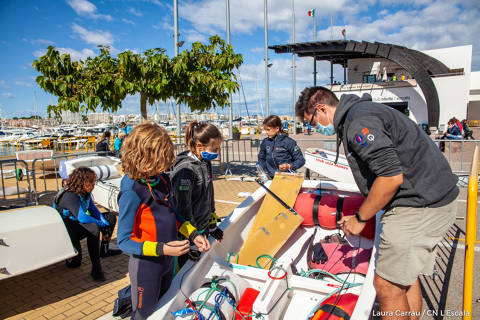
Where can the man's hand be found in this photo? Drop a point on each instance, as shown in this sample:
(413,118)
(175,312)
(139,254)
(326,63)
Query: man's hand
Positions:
(284,167)
(351,226)
(202,243)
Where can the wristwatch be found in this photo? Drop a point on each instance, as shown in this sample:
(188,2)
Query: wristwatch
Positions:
(359,218)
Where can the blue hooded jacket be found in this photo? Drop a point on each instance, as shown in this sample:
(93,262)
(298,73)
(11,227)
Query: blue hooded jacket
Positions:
(281,149)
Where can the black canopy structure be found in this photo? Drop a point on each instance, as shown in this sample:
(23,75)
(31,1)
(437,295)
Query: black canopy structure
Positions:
(422,67)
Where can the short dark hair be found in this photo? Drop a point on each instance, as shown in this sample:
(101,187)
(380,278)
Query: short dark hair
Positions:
(122,124)
(311,96)
(273,121)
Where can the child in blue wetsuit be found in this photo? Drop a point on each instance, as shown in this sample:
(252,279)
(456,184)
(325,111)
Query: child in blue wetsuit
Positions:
(147,227)
(278,152)
(83,220)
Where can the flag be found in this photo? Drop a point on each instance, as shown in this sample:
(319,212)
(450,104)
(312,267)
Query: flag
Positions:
(311,13)
(344,32)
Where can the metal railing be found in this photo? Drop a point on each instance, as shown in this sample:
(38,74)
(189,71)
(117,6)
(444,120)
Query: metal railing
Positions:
(48,167)
(245,151)
(58,145)
(14,183)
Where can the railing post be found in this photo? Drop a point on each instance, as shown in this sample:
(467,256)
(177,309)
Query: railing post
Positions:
(470,237)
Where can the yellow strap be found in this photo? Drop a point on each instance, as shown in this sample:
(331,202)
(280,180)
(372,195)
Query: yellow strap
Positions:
(150,249)
(214,218)
(186,229)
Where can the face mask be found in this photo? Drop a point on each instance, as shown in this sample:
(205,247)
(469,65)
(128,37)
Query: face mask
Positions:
(209,156)
(328,130)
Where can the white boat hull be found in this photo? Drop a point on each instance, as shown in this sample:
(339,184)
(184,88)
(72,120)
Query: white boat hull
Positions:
(323,162)
(272,301)
(32,238)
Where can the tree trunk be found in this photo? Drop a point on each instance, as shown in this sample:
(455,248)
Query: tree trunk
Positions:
(143,105)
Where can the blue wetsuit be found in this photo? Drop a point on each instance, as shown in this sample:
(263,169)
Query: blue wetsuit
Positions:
(146,221)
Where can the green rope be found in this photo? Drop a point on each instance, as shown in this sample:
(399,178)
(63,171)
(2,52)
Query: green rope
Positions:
(274,261)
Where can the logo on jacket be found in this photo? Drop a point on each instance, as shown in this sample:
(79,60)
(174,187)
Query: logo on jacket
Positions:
(362,139)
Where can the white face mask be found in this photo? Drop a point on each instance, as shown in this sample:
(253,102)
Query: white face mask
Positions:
(328,130)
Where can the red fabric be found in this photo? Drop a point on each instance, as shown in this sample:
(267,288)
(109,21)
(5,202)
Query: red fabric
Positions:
(459,124)
(346,302)
(342,258)
(144,227)
(245,305)
(327,208)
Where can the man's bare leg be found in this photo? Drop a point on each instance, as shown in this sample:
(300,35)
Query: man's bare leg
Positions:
(392,298)
(414,298)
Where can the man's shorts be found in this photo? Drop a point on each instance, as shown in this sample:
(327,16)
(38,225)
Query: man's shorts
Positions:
(408,240)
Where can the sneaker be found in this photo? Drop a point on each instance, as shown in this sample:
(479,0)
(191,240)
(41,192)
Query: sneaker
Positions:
(97,275)
(110,252)
(73,263)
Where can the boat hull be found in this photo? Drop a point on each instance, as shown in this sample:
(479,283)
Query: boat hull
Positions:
(32,238)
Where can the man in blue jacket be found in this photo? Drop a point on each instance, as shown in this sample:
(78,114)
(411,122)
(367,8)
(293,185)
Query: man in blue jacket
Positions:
(399,169)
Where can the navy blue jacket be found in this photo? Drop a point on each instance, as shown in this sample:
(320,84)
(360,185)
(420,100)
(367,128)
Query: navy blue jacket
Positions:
(281,149)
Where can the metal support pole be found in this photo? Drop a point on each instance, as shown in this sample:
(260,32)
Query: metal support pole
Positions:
(267,104)
(294,88)
(331,72)
(230,109)
(345,72)
(470,237)
(314,71)
(175,37)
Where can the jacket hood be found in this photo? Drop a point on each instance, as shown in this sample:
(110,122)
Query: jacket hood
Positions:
(347,101)
(185,157)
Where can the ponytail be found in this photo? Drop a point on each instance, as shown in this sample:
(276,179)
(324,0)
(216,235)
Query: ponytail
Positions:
(200,132)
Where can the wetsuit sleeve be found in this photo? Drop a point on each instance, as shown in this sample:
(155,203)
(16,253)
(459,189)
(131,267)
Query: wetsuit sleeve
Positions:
(183,182)
(262,156)
(128,205)
(369,139)
(297,157)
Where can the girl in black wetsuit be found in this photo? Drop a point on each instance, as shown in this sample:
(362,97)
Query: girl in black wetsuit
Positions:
(83,220)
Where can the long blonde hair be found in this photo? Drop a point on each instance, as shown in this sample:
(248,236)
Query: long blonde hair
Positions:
(147,151)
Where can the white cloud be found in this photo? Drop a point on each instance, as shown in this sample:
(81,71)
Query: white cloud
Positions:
(3,84)
(87,9)
(135,12)
(77,55)
(39,53)
(193,35)
(257,49)
(128,21)
(74,54)
(22,83)
(38,41)
(165,25)
(97,37)
(7,95)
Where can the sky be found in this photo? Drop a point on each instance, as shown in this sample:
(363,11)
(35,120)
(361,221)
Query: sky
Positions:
(77,27)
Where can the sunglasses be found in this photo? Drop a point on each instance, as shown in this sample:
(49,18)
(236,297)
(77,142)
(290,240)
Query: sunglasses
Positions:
(313,117)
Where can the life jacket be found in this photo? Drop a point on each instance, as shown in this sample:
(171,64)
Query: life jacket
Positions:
(342,258)
(326,210)
(336,307)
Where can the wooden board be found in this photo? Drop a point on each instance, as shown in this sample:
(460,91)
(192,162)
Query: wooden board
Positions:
(286,186)
(268,239)
(273,224)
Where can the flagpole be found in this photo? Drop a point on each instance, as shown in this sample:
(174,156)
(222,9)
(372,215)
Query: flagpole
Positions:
(294,89)
(230,109)
(175,37)
(267,104)
(314,26)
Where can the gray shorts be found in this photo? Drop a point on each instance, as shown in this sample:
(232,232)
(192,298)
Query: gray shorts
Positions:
(408,240)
